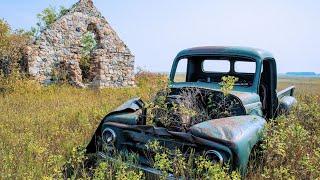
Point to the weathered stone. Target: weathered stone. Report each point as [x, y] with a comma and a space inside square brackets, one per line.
[112, 63]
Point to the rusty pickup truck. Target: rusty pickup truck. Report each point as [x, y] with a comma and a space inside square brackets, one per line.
[228, 139]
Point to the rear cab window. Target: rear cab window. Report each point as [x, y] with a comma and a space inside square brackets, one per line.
[212, 69]
[216, 66]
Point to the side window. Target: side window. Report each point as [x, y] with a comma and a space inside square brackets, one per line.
[181, 72]
[245, 67]
[216, 66]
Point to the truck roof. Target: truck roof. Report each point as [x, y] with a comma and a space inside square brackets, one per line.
[257, 54]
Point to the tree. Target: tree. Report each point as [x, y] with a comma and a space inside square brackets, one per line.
[47, 17]
[12, 44]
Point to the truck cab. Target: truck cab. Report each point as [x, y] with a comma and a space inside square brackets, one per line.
[255, 69]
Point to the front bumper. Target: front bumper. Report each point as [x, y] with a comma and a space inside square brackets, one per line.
[150, 173]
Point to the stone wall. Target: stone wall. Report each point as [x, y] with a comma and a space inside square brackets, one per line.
[112, 64]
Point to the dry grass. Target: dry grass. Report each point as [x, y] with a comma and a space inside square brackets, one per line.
[303, 85]
[41, 126]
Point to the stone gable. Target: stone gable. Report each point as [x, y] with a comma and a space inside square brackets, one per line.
[59, 48]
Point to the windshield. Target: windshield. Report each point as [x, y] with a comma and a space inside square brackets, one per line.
[212, 69]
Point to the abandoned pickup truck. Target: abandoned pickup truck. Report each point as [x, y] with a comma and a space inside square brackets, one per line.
[226, 138]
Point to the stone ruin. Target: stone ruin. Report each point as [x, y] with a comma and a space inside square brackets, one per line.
[58, 48]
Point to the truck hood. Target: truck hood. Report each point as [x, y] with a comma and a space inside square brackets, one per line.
[249, 100]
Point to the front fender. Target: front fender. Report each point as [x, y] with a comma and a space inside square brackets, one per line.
[242, 132]
[131, 113]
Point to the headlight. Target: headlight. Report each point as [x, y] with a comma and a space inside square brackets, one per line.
[109, 136]
[215, 156]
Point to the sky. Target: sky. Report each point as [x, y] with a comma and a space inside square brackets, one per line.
[156, 31]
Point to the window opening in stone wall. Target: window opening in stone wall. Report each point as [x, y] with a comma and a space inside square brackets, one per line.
[93, 28]
[89, 43]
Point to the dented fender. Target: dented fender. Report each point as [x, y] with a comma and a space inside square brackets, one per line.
[243, 132]
[128, 113]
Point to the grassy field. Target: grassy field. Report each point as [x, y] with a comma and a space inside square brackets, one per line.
[303, 85]
[40, 127]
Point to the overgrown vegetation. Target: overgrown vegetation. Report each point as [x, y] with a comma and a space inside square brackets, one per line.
[292, 144]
[88, 43]
[47, 17]
[12, 46]
[13, 43]
[187, 167]
[118, 168]
[59, 74]
[41, 126]
[179, 111]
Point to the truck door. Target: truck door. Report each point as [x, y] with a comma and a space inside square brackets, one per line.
[268, 86]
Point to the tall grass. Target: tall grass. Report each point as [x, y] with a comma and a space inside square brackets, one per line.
[40, 128]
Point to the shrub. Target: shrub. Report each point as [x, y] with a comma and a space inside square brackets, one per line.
[12, 45]
[88, 44]
[194, 166]
[291, 145]
[118, 168]
[191, 106]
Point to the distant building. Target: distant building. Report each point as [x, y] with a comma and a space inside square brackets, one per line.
[58, 49]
